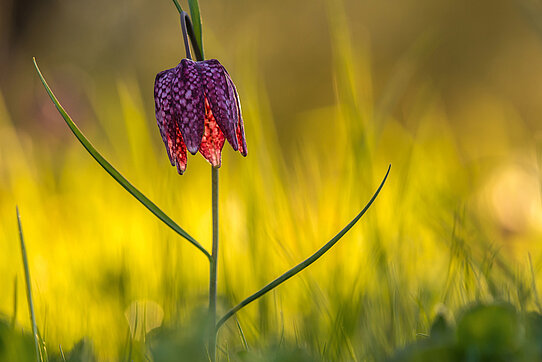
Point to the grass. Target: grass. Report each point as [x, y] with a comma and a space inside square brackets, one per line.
[105, 274]
[28, 289]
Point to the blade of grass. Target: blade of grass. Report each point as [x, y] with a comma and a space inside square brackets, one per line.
[245, 344]
[43, 348]
[61, 353]
[116, 174]
[533, 285]
[14, 317]
[304, 264]
[196, 24]
[132, 337]
[28, 288]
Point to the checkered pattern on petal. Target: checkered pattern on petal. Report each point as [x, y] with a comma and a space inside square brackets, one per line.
[213, 138]
[236, 110]
[187, 91]
[220, 97]
[198, 108]
[164, 109]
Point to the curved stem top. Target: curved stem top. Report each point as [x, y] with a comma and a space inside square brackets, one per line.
[192, 27]
[188, 32]
[178, 6]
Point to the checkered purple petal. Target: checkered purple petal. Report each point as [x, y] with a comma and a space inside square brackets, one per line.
[164, 109]
[220, 97]
[236, 109]
[188, 97]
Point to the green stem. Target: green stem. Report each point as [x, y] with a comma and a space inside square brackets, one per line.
[304, 264]
[195, 25]
[213, 268]
[188, 32]
[178, 6]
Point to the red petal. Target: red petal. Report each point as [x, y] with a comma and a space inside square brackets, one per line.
[220, 97]
[180, 153]
[176, 147]
[213, 138]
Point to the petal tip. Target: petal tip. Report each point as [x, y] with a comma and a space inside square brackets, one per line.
[193, 149]
[234, 144]
[181, 168]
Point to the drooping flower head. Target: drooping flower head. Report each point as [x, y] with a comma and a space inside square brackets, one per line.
[197, 108]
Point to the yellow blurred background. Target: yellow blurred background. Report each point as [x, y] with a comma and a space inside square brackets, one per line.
[332, 92]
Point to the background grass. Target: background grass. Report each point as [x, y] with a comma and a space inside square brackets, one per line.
[325, 113]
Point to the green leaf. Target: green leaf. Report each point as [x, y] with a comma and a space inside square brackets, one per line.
[304, 264]
[196, 23]
[490, 330]
[115, 174]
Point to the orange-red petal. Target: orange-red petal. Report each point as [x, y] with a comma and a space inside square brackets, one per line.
[213, 138]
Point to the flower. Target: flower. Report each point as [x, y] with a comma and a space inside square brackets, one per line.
[197, 108]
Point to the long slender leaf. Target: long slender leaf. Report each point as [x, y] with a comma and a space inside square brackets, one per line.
[196, 24]
[242, 334]
[15, 302]
[533, 285]
[304, 264]
[115, 174]
[61, 353]
[28, 288]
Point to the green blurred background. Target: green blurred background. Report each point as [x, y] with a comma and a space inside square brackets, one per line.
[332, 92]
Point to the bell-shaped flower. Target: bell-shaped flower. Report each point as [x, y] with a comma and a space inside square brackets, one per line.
[197, 108]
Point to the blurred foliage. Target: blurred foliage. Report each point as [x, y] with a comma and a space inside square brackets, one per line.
[495, 332]
[15, 346]
[332, 92]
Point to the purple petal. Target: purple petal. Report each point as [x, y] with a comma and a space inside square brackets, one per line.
[236, 109]
[162, 108]
[187, 92]
[169, 131]
[220, 96]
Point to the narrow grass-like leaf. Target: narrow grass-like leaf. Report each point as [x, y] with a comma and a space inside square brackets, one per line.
[15, 302]
[28, 288]
[533, 285]
[196, 24]
[132, 336]
[242, 334]
[116, 174]
[304, 264]
[43, 347]
[61, 353]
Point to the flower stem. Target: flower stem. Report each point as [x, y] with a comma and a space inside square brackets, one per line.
[188, 33]
[213, 268]
[178, 6]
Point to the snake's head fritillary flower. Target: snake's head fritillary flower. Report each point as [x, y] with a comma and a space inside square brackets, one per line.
[197, 108]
